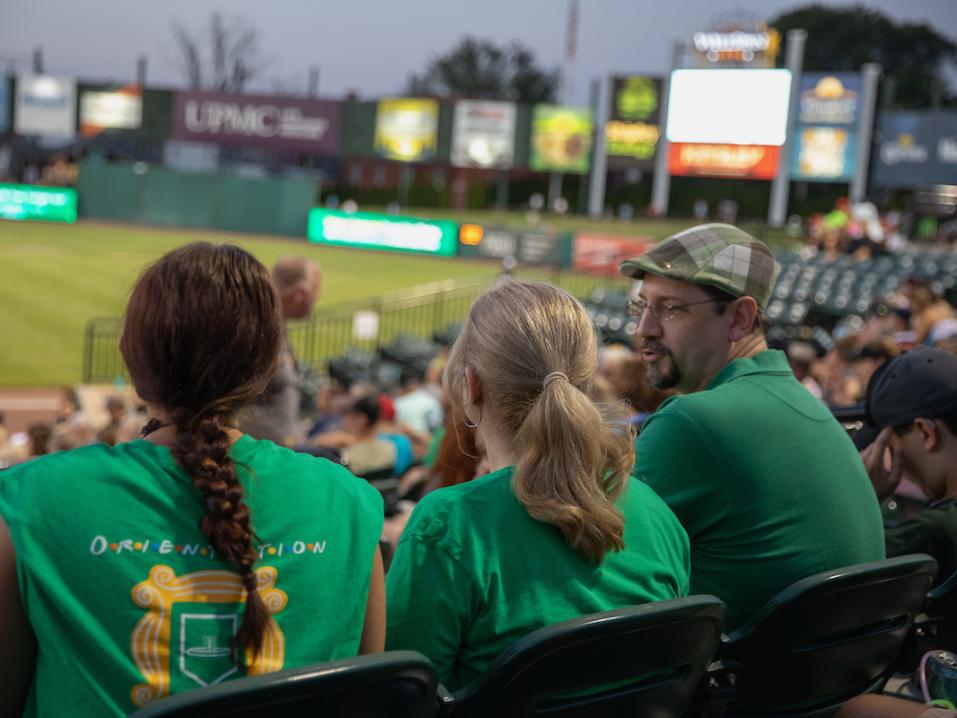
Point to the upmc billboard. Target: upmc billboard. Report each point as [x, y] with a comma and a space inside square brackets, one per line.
[258, 121]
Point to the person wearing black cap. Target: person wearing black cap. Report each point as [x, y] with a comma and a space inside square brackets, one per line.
[913, 401]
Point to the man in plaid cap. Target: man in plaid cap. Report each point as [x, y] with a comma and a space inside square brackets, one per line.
[765, 481]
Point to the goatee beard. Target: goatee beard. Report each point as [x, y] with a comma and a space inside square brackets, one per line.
[659, 378]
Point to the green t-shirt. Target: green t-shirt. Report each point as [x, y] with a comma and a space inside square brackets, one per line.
[764, 479]
[128, 601]
[473, 573]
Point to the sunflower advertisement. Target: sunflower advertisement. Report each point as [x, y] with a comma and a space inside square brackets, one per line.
[632, 131]
[561, 139]
[406, 129]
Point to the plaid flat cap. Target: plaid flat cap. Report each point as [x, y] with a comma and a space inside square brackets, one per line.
[718, 255]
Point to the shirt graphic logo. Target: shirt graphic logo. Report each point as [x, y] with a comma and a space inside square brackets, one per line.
[184, 637]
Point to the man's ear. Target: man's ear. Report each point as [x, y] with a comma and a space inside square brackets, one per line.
[744, 312]
[473, 385]
[930, 432]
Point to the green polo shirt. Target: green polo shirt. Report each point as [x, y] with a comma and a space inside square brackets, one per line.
[765, 481]
[473, 573]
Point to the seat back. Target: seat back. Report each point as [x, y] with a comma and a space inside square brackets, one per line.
[387, 483]
[828, 637]
[400, 684]
[644, 660]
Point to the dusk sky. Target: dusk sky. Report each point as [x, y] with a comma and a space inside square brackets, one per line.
[372, 46]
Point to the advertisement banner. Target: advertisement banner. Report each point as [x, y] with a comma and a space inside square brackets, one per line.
[734, 161]
[4, 104]
[365, 230]
[258, 121]
[483, 134]
[823, 154]
[406, 129]
[829, 99]
[600, 254]
[527, 246]
[120, 109]
[50, 204]
[45, 106]
[826, 129]
[561, 139]
[633, 128]
[916, 148]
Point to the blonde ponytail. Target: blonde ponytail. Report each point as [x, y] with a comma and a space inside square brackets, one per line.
[536, 352]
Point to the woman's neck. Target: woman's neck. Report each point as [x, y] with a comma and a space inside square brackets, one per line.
[165, 433]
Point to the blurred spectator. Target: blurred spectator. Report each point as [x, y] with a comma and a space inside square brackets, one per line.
[557, 529]
[801, 356]
[415, 405]
[275, 414]
[732, 456]
[367, 452]
[913, 400]
[39, 434]
[116, 410]
[927, 312]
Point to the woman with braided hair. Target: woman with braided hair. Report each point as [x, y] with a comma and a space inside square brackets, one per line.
[558, 529]
[194, 555]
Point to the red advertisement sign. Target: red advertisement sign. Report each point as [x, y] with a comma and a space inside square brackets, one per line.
[602, 253]
[736, 161]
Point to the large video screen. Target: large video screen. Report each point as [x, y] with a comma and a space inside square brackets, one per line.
[735, 107]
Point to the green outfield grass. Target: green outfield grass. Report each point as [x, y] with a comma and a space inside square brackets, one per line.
[54, 278]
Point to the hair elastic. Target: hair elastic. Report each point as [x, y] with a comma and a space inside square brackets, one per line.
[553, 376]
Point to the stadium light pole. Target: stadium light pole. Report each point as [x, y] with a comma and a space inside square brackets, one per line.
[661, 184]
[865, 128]
[599, 165]
[781, 185]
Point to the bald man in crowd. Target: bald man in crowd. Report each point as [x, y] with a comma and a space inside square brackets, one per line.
[275, 415]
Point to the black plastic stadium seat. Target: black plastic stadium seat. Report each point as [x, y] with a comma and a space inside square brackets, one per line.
[399, 684]
[826, 638]
[640, 661]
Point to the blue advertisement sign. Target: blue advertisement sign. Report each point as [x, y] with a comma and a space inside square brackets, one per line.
[823, 154]
[916, 148]
[4, 104]
[825, 143]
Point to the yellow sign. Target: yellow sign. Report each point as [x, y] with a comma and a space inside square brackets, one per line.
[407, 129]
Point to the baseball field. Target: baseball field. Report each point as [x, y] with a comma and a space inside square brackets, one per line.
[54, 278]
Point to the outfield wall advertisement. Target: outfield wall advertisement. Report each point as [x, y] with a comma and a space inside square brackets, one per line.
[366, 230]
[45, 106]
[826, 130]
[483, 134]
[561, 139]
[633, 128]
[916, 148]
[406, 129]
[120, 109]
[258, 121]
[51, 204]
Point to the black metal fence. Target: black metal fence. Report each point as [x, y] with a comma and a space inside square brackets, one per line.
[365, 325]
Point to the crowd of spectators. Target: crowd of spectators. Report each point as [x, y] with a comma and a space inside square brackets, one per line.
[512, 490]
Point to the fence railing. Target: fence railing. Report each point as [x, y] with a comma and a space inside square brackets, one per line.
[364, 324]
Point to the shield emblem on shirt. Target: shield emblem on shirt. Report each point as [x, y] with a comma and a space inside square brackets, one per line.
[204, 645]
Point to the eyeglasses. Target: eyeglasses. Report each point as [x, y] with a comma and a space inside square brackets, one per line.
[662, 312]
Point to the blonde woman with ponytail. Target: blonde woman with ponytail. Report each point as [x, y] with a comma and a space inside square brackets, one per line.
[559, 529]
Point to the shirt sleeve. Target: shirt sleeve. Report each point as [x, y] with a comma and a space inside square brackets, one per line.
[429, 599]
[675, 459]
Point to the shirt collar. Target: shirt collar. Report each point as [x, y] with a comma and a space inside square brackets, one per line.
[770, 361]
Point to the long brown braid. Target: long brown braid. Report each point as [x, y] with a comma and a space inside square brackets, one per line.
[201, 339]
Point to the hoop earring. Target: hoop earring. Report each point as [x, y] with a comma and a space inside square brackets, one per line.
[466, 422]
